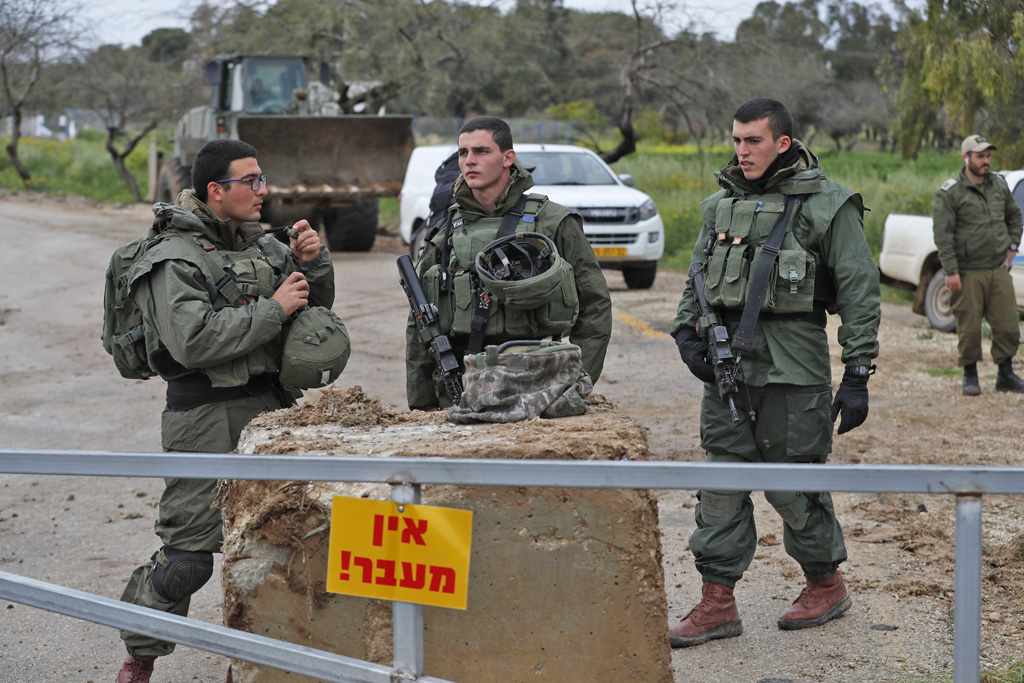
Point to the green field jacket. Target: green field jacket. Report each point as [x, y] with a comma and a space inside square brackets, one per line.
[189, 327]
[974, 225]
[825, 265]
[593, 326]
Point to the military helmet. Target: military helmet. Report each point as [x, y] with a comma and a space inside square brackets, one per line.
[522, 270]
[316, 349]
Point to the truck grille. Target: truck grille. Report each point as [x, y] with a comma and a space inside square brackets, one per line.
[616, 239]
[625, 215]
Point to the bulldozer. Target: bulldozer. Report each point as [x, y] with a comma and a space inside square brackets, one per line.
[321, 165]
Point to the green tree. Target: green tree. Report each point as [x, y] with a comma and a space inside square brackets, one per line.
[964, 57]
[167, 45]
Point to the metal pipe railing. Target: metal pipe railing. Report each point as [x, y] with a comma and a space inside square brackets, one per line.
[406, 475]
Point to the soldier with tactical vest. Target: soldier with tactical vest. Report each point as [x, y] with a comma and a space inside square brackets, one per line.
[776, 206]
[977, 227]
[506, 265]
[222, 303]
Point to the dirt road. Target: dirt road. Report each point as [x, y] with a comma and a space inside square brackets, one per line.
[59, 390]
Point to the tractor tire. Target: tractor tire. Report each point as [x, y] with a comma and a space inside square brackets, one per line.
[353, 227]
[936, 304]
[640, 276]
[173, 178]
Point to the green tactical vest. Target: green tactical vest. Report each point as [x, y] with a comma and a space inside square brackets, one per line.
[743, 226]
[458, 301]
[233, 278]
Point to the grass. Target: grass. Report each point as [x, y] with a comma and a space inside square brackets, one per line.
[1011, 671]
[80, 167]
[673, 175]
[677, 182]
[388, 216]
[945, 372]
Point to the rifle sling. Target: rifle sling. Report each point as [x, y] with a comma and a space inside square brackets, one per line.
[743, 337]
[483, 300]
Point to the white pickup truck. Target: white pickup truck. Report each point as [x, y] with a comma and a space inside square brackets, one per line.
[909, 260]
[620, 222]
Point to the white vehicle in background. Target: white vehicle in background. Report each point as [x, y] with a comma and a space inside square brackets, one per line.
[620, 222]
[909, 260]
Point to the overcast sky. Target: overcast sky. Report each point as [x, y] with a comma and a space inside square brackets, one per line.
[125, 22]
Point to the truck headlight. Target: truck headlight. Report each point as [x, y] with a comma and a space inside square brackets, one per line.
[648, 210]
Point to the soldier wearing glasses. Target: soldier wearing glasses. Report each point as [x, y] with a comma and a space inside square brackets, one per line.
[219, 347]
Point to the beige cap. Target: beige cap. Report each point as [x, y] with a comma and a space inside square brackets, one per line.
[975, 143]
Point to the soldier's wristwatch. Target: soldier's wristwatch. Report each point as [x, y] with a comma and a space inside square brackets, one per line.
[859, 370]
[1013, 246]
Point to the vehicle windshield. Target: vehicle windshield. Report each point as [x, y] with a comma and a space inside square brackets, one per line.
[565, 168]
[269, 84]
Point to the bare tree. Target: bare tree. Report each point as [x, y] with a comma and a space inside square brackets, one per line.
[130, 93]
[33, 33]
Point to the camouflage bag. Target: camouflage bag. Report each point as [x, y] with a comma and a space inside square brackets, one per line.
[521, 380]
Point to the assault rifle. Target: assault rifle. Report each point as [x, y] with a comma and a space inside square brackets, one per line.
[719, 351]
[429, 328]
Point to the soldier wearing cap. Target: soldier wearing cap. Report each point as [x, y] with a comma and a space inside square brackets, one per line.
[977, 226]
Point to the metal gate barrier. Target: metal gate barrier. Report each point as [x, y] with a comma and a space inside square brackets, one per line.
[406, 475]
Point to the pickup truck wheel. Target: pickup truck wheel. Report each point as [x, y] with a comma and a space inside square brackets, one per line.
[352, 228]
[173, 178]
[936, 304]
[640, 276]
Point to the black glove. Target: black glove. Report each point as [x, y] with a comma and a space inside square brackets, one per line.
[694, 350]
[852, 398]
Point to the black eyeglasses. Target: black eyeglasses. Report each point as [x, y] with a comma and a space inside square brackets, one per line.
[254, 183]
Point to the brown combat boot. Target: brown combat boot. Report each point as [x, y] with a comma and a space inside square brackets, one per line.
[135, 670]
[715, 616]
[819, 602]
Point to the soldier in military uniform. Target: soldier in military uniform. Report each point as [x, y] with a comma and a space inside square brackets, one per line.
[220, 354]
[491, 197]
[785, 406]
[977, 226]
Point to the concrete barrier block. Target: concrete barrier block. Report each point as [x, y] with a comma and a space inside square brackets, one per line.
[565, 584]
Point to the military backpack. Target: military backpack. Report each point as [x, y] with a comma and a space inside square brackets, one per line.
[123, 330]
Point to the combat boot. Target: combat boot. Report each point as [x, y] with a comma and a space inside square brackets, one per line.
[1006, 380]
[819, 602]
[135, 670]
[971, 386]
[715, 616]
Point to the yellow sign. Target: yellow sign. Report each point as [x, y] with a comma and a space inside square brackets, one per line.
[610, 252]
[396, 551]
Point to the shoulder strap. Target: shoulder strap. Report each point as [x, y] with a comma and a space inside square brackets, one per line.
[222, 279]
[511, 219]
[483, 304]
[743, 337]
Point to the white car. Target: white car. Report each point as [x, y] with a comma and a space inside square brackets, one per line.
[910, 260]
[620, 222]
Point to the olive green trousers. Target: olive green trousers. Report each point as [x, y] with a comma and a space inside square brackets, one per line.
[985, 294]
[791, 424]
[187, 519]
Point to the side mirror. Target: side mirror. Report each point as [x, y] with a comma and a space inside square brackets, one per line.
[211, 73]
[627, 179]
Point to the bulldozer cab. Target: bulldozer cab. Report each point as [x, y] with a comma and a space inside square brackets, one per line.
[259, 85]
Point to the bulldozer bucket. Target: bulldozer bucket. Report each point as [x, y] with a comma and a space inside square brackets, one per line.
[326, 160]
